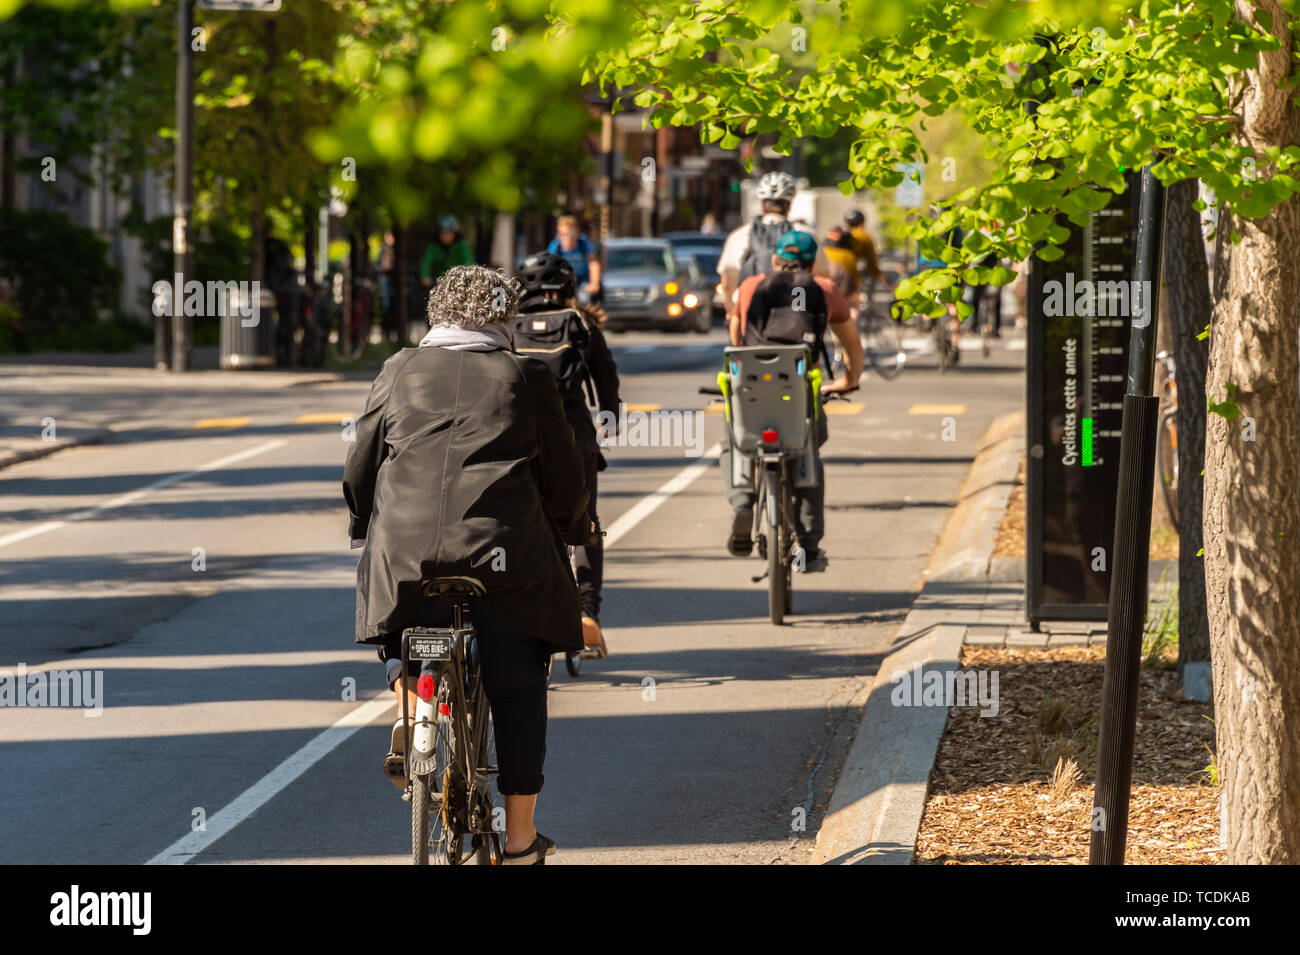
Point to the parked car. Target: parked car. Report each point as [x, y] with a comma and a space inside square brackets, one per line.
[706, 249]
[648, 285]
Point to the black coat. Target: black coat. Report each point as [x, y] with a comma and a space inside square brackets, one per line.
[464, 464]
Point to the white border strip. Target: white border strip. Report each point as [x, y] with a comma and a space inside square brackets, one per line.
[651, 502]
[262, 791]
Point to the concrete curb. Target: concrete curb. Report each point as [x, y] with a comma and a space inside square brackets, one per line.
[875, 811]
[44, 449]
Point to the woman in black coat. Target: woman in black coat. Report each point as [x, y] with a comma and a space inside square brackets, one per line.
[464, 465]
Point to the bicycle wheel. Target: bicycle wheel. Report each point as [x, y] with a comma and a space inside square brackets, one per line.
[883, 345]
[431, 841]
[776, 579]
[1167, 457]
[482, 844]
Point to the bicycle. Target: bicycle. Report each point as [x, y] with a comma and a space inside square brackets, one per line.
[775, 440]
[1167, 437]
[451, 748]
[882, 337]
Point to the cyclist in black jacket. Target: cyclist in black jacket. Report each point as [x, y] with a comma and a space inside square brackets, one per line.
[552, 326]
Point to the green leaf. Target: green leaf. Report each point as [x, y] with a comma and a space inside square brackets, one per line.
[1226, 408]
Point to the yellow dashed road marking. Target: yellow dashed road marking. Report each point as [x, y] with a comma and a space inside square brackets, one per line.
[221, 422]
[937, 409]
[325, 417]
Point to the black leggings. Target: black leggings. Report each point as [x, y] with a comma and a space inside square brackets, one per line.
[514, 675]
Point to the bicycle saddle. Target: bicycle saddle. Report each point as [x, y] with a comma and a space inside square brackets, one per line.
[462, 586]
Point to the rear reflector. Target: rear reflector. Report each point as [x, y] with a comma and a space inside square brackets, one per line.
[424, 687]
[770, 436]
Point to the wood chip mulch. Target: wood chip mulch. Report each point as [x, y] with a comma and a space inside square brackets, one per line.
[1010, 538]
[992, 797]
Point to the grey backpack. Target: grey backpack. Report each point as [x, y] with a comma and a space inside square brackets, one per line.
[757, 259]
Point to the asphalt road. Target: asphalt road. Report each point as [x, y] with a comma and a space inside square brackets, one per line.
[205, 572]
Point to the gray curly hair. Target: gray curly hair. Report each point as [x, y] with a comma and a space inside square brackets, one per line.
[473, 296]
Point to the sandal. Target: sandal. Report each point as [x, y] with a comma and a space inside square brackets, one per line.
[395, 761]
[593, 649]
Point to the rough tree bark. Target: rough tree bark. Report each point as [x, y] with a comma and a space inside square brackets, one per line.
[1252, 493]
[1189, 312]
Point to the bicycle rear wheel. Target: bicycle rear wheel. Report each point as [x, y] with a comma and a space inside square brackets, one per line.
[777, 583]
[433, 842]
[883, 345]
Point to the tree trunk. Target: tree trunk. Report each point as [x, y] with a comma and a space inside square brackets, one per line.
[1189, 313]
[1252, 495]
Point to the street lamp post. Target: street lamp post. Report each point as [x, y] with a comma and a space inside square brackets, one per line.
[183, 187]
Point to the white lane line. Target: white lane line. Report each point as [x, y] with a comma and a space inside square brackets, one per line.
[262, 791]
[132, 496]
[266, 788]
[650, 503]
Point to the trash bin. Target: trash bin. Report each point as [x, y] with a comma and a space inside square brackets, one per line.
[249, 345]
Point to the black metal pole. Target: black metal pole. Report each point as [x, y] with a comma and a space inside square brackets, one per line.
[183, 187]
[1129, 555]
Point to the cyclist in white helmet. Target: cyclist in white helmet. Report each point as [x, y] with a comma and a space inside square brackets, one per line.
[748, 250]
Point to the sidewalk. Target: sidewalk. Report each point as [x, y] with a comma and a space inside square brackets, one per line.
[969, 597]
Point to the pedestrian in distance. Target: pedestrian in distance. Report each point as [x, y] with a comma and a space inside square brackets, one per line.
[582, 254]
[447, 250]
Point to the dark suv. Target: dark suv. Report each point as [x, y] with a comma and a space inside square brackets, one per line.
[648, 285]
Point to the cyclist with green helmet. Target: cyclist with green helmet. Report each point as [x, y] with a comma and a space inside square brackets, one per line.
[792, 306]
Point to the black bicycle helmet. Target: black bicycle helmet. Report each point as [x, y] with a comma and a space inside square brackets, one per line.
[853, 218]
[546, 271]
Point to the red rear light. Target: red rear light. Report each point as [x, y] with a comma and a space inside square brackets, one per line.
[444, 709]
[770, 436]
[424, 687]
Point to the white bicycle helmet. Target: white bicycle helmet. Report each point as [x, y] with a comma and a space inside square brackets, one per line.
[776, 186]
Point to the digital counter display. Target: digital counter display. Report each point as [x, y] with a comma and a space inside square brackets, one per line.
[1080, 308]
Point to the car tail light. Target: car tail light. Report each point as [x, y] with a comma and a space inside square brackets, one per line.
[670, 288]
[424, 687]
[770, 436]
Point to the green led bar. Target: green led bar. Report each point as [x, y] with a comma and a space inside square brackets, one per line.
[1087, 442]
